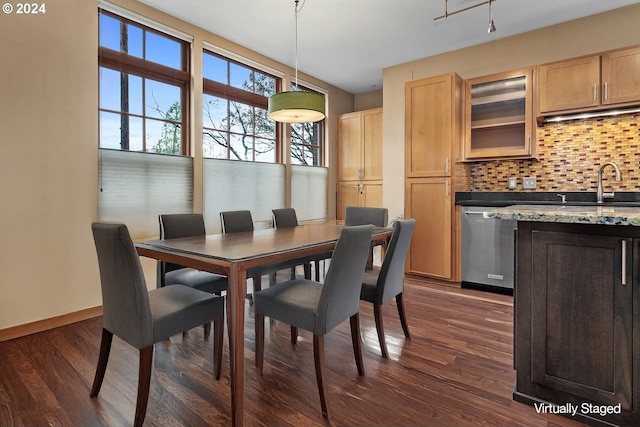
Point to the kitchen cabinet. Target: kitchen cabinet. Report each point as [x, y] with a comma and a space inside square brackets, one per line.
[433, 131]
[359, 160]
[575, 317]
[352, 193]
[429, 202]
[594, 82]
[569, 85]
[431, 125]
[499, 116]
[621, 76]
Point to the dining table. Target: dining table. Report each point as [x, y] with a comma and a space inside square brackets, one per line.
[244, 255]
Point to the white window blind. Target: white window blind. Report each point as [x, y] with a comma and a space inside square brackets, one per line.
[231, 185]
[309, 192]
[136, 187]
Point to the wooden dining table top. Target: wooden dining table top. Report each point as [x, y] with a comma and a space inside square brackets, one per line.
[254, 248]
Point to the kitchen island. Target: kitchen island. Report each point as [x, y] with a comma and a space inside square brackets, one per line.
[576, 315]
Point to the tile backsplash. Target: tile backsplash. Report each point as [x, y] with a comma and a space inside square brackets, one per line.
[569, 156]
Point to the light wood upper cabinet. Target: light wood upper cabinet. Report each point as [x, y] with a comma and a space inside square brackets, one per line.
[359, 160]
[360, 141]
[621, 76]
[350, 142]
[431, 133]
[589, 83]
[372, 144]
[499, 118]
[568, 85]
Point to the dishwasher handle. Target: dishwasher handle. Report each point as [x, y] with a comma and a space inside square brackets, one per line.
[474, 212]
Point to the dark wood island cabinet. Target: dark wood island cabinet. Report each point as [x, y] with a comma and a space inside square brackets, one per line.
[577, 311]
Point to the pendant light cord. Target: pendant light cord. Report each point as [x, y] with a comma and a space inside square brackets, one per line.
[296, 41]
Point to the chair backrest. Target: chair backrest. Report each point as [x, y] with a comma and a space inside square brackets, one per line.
[173, 226]
[285, 217]
[340, 297]
[181, 225]
[236, 221]
[391, 276]
[360, 215]
[125, 299]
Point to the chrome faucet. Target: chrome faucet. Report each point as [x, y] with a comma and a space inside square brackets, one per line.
[600, 195]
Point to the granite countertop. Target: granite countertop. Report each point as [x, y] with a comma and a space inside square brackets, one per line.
[508, 198]
[607, 215]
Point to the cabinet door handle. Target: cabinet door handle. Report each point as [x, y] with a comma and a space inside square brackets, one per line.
[595, 92]
[446, 165]
[446, 188]
[624, 263]
[606, 91]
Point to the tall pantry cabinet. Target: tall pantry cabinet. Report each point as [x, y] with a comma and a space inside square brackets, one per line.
[359, 160]
[433, 131]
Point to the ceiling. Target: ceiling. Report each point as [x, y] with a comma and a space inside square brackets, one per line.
[348, 43]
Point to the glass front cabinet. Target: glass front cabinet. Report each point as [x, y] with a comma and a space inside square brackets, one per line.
[499, 116]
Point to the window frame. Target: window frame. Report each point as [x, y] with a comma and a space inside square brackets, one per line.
[234, 94]
[131, 65]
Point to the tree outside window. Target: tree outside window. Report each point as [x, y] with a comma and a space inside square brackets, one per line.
[235, 121]
[306, 140]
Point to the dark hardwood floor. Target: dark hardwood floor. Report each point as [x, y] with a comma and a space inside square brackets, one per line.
[456, 371]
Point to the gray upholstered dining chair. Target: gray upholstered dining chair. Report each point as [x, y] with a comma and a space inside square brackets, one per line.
[187, 225]
[140, 317]
[319, 308]
[379, 288]
[286, 218]
[359, 215]
[236, 221]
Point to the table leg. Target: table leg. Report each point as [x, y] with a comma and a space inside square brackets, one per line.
[235, 323]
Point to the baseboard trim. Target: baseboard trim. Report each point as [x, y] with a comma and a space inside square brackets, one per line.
[51, 323]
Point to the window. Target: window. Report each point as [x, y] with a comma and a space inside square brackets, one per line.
[306, 140]
[144, 82]
[143, 87]
[234, 111]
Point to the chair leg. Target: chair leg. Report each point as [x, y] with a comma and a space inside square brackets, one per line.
[207, 330]
[259, 325]
[355, 339]
[144, 380]
[377, 314]
[317, 265]
[218, 336]
[105, 349]
[294, 335]
[318, 358]
[403, 317]
[272, 278]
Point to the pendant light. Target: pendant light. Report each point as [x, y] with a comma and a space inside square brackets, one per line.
[492, 26]
[296, 106]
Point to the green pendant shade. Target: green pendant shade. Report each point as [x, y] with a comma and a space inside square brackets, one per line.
[296, 107]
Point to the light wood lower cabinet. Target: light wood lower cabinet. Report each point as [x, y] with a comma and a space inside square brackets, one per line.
[354, 194]
[430, 202]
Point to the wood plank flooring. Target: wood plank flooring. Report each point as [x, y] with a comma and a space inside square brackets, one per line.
[456, 371]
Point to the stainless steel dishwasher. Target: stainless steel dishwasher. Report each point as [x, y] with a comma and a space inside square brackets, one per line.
[487, 251]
